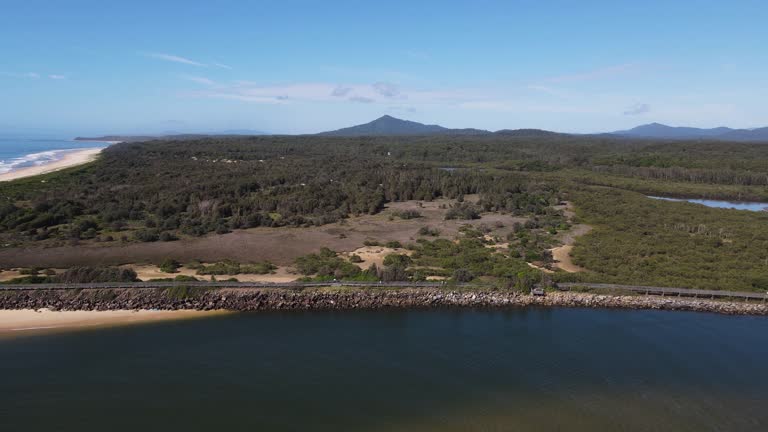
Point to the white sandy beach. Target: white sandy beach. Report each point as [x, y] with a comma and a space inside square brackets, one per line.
[69, 159]
[28, 321]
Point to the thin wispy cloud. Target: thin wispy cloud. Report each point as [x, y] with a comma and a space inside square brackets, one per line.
[637, 109]
[381, 92]
[300, 92]
[595, 74]
[200, 80]
[361, 99]
[174, 58]
[29, 75]
[416, 54]
[221, 65]
[56, 77]
[393, 97]
[546, 89]
[403, 108]
[341, 91]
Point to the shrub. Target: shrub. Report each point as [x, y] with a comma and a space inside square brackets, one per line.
[429, 231]
[397, 260]
[228, 267]
[328, 264]
[33, 271]
[169, 266]
[463, 211]
[407, 214]
[355, 259]
[182, 292]
[96, 274]
[167, 236]
[147, 235]
[462, 275]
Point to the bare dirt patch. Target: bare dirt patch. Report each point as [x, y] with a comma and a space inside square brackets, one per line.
[147, 272]
[540, 268]
[375, 255]
[7, 275]
[278, 245]
[562, 254]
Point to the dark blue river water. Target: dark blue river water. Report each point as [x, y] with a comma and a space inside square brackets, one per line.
[440, 370]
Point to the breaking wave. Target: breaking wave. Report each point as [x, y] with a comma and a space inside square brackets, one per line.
[32, 159]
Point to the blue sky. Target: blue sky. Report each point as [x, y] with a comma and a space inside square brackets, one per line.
[306, 66]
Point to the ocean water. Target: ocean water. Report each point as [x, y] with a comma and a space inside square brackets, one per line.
[20, 152]
[734, 205]
[419, 370]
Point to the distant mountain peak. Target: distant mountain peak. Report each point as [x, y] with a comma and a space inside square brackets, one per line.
[388, 125]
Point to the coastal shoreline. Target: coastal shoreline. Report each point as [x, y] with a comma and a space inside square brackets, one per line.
[69, 159]
[19, 322]
[258, 299]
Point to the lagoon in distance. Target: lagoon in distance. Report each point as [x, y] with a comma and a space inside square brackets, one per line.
[733, 205]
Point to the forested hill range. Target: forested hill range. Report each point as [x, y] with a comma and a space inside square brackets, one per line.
[391, 126]
[658, 130]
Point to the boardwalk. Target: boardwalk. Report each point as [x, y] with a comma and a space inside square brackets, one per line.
[648, 290]
[669, 291]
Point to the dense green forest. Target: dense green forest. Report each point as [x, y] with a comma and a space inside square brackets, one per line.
[660, 243]
[169, 190]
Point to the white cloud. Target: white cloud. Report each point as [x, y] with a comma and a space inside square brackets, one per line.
[175, 59]
[56, 77]
[386, 89]
[381, 92]
[33, 75]
[222, 65]
[637, 109]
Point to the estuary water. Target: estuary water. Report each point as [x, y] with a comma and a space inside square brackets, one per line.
[735, 205]
[433, 370]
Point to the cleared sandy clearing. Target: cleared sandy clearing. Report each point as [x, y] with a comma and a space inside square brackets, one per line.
[562, 254]
[147, 272]
[9, 274]
[375, 255]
